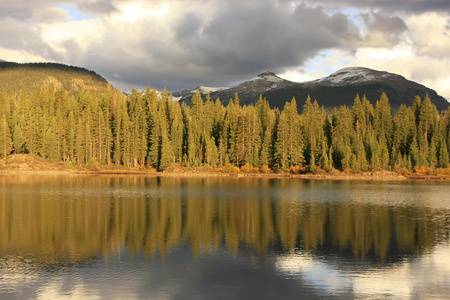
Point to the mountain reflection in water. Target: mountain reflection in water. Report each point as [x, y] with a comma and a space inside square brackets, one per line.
[319, 230]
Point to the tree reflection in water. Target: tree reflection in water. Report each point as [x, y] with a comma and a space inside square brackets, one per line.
[78, 218]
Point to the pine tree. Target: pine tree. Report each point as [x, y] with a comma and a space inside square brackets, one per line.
[313, 121]
[289, 144]
[405, 129]
[343, 136]
[234, 132]
[443, 155]
[414, 153]
[428, 118]
[4, 104]
[383, 121]
[155, 141]
[71, 136]
[432, 153]
[49, 149]
[80, 154]
[167, 157]
[416, 107]
[5, 137]
[211, 153]
[18, 138]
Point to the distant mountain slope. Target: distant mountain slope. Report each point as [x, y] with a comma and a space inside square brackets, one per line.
[14, 76]
[340, 88]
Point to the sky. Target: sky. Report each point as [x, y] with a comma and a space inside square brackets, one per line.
[183, 44]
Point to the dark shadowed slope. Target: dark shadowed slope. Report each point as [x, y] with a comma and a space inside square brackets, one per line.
[340, 88]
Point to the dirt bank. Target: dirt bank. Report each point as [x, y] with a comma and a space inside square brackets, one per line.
[22, 164]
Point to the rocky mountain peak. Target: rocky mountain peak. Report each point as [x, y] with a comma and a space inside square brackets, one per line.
[354, 75]
[269, 77]
[339, 88]
[266, 74]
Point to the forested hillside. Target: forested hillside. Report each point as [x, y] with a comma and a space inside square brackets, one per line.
[151, 130]
[14, 76]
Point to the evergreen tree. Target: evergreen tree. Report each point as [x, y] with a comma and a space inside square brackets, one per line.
[152, 128]
[289, 144]
[443, 155]
[383, 121]
[428, 118]
[49, 150]
[71, 136]
[5, 137]
[166, 151]
[313, 121]
[177, 132]
[343, 136]
[18, 137]
[211, 153]
[405, 129]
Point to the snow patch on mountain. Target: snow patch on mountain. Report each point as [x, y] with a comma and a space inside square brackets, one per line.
[269, 76]
[209, 89]
[353, 75]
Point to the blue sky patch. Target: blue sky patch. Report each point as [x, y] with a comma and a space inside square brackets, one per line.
[75, 14]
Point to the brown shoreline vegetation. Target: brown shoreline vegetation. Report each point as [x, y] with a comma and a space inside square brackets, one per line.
[23, 164]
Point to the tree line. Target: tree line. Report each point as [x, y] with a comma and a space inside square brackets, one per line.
[32, 75]
[150, 129]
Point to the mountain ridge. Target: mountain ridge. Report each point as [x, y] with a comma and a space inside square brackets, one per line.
[337, 89]
[14, 76]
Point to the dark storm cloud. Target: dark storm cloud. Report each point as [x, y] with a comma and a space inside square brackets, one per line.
[188, 26]
[239, 41]
[233, 42]
[208, 42]
[391, 27]
[378, 22]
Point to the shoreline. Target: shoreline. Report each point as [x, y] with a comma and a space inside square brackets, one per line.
[23, 165]
[366, 176]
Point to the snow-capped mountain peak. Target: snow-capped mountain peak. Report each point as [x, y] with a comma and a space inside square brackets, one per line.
[269, 76]
[354, 75]
[209, 89]
[340, 88]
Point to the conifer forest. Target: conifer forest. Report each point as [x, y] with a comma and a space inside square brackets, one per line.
[151, 130]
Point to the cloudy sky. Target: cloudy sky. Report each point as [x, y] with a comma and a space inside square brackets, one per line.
[181, 44]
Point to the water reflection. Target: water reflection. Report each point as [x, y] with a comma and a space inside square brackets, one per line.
[317, 231]
[79, 217]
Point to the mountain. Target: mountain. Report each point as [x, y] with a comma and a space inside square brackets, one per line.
[14, 76]
[340, 88]
[247, 91]
[204, 90]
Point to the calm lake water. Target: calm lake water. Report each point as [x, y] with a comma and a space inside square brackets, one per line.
[121, 237]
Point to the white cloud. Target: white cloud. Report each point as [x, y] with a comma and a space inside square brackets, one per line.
[19, 56]
[80, 31]
[135, 11]
[50, 15]
[430, 34]
[423, 56]
[406, 279]
[185, 44]
[298, 76]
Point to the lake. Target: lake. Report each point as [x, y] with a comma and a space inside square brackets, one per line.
[136, 237]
